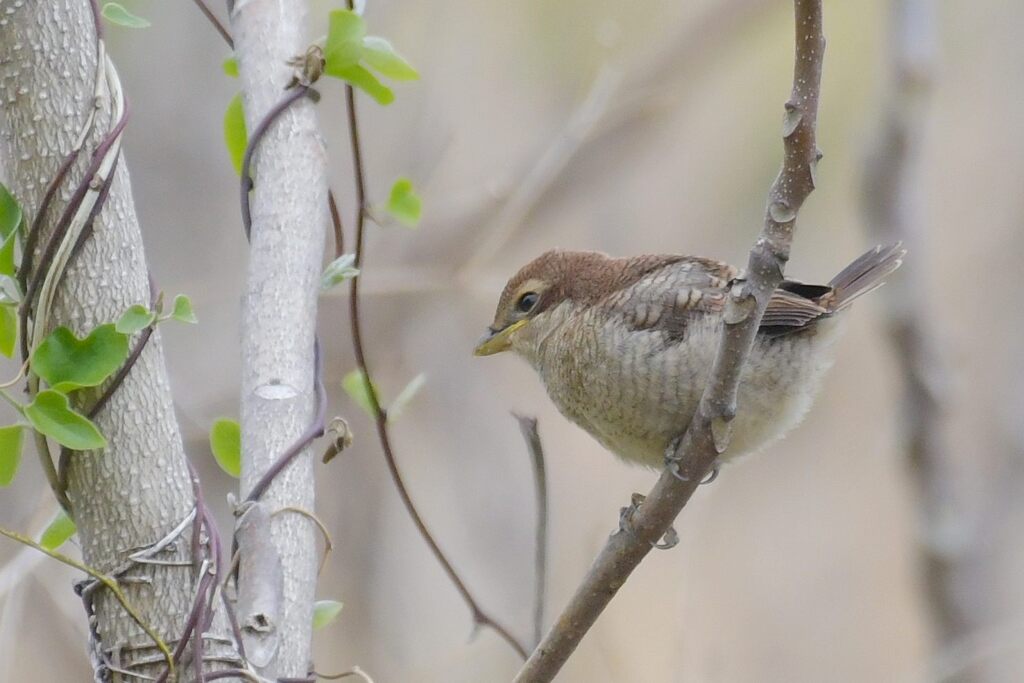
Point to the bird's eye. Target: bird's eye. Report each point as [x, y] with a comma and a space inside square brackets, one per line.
[527, 302]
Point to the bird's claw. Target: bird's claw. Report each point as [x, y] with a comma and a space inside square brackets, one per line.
[673, 466]
[669, 539]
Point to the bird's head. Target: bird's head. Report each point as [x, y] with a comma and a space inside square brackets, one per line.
[576, 278]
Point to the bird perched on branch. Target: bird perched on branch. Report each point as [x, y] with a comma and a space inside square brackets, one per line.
[624, 346]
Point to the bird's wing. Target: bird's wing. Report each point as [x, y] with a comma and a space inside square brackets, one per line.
[669, 298]
[792, 307]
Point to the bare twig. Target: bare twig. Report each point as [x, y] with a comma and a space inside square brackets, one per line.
[528, 427]
[217, 24]
[893, 213]
[480, 617]
[707, 436]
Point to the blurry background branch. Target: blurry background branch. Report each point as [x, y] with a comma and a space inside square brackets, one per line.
[528, 427]
[893, 212]
[707, 435]
[612, 101]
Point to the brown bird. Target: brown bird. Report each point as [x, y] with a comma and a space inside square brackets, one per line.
[624, 345]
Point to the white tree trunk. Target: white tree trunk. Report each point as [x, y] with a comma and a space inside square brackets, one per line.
[289, 210]
[134, 492]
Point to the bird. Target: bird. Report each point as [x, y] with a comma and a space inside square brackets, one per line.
[624, 345]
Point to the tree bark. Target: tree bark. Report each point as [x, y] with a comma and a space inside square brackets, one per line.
[289, 220]
[137, 490]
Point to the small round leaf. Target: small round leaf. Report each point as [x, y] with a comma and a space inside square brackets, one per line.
[381, 56]
[235, 136]
[343, 47]
[116, 14]
[226, 444]
[68, 363]
[324, 612]
[8, 329]
[136, 318]
[356, 386]
[51, 414]
[10, 212]
[339, 270]
[182, 310]
[404, 203]
[10, 453]
[361, 78]
[57, 531]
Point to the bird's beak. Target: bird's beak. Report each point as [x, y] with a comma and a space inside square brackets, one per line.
[496, 341]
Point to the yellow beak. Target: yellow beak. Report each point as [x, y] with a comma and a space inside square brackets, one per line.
[495, 342]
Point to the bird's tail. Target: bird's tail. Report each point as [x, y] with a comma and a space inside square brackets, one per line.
[867, 273]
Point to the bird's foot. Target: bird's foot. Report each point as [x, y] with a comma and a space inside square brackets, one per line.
[672, 465]
[669, 539]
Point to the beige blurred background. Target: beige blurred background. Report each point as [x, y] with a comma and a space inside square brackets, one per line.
[624, 127]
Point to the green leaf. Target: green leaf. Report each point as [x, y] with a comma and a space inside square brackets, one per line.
[136, 318]
[51, 414]
[68, 363]
[396, 407]
[10, 453]
[343, 47]
[381, 56]
[182, 311]
[324, 612]
[58, 531]
[230, 67]
[339, 270]
[10, 212]
[404, 203]
[10, 218]
[235, 136]
[8, 329]
[226, 444]
[7, 256]
[354, 384]
[116, 14]
[365, 81]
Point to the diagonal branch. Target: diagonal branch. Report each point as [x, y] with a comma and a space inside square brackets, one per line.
[707, 436]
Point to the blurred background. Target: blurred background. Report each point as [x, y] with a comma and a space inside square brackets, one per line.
[627, 128]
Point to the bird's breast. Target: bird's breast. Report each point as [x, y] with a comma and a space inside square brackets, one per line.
[633, 390]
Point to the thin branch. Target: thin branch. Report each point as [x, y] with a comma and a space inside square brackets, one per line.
[707, 436]
[528, 427]
[480, 617]
[221, 29]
